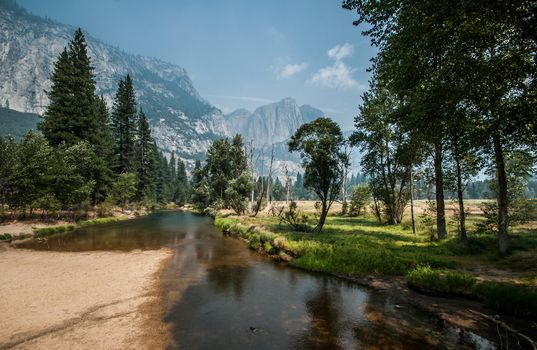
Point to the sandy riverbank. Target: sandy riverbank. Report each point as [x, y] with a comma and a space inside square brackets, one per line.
[90, 300]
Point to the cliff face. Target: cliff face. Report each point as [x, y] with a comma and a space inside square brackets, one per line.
[180, 119]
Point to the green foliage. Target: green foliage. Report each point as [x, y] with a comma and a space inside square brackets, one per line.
[320, 146]
[124, 125]
[509, 298]
[145, 160]
[388, 151]
[47, 231]
[294, 217]
[224, 182]
[124, 188]
[440, 281]
[360, 198]
[5, 237]
[463, 78]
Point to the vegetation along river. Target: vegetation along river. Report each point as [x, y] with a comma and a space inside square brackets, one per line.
[218, 294]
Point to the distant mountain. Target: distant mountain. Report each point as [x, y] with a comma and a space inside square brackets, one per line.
[272, 123]
[29, 46]
[16, 124]
[181, 120]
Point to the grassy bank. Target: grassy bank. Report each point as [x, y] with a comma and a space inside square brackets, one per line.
[357, 247]
[47, 231]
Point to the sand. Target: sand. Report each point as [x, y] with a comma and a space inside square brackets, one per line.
[90, 300]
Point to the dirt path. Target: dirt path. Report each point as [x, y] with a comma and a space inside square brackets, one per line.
[93, 300]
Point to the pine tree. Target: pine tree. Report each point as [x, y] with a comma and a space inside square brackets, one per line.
[84, 107]
[56, 120]
[123, 125]
[71, 115]
[182, 184]
[145, 160]
[103, 146]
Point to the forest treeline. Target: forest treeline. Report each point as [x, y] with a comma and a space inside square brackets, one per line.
[85, 156]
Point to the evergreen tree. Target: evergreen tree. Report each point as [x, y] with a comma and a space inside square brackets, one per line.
[71, 115]
[145, 161]
[57, 119]
[183, 190]
[123, 125]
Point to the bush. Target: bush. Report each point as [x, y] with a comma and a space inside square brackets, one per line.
[6, 237]
[294, 217]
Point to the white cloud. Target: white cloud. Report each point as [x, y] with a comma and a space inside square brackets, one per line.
[338, 75]
[290, 69]
[339, 52]
[283, 68]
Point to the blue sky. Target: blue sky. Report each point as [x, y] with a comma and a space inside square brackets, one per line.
[239, 53]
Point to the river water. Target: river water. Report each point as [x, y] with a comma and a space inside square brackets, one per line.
[220, 295]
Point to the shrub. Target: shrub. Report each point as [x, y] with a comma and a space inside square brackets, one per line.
[6, 237]
[294, 217]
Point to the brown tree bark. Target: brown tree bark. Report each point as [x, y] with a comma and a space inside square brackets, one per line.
[439, 184]
[501, 178]
[462, 214]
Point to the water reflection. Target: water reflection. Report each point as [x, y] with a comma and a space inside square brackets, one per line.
[218, 294]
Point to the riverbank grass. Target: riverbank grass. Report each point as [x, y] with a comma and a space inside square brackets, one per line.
[357, 247]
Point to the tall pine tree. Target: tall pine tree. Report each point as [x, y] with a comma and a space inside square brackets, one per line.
[123, 125]
[145, 160]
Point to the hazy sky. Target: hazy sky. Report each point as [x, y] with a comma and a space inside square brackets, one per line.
[239, 53]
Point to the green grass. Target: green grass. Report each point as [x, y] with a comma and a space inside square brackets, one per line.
[427, 279]
[47, 231]
[99, 221]
[509, 298]
[518, 300]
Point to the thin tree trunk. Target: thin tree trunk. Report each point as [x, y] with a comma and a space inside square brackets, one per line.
[501, 178]
[462, 214]
[439, 183]
[412, 201]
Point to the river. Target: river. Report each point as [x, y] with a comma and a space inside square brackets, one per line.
[219, 295]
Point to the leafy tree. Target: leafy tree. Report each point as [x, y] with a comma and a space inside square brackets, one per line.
[360, 198]
[389, 152]
[476, 56]
[32, 174]
[320, 145]
[123, 125]
[124, 188]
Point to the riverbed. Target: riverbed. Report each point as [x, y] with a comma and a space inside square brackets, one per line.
[215, 293]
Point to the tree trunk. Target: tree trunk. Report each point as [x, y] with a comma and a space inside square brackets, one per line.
[412, 202]
[439, 183]
[322, 218]
[501, 178]
[462, 214]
